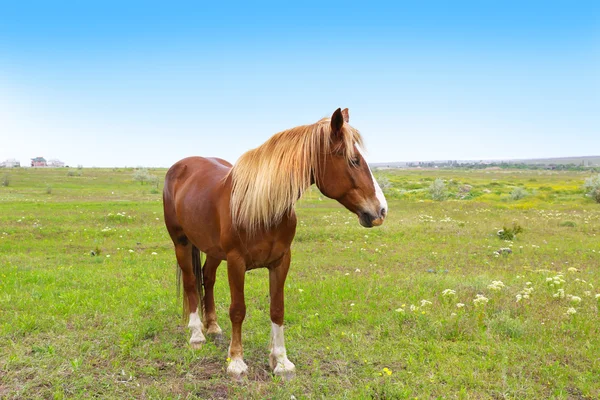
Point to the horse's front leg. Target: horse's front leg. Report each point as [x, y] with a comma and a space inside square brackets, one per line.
[278, 357]
[236, 272]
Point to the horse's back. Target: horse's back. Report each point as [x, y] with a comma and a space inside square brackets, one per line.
[192, 197]
[205, 171]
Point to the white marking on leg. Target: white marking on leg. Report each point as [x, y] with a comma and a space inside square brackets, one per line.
[237, 367]
[278, 358]
[378, 191]
[195, 326]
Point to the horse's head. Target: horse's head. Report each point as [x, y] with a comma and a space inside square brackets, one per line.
[345, 176]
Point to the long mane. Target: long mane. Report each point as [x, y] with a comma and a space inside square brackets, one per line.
[268, 180]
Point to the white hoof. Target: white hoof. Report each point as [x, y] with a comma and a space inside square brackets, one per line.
[197, 345]
[285, 369]
[237, 368]
[197, 339]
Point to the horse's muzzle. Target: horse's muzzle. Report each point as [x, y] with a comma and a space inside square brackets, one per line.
[369, 220]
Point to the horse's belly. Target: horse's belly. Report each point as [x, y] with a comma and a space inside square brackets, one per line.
[265, 255]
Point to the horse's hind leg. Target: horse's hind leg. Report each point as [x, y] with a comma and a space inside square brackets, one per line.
[183, 251]
[210, 315]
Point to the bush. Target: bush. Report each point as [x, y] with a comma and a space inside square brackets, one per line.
[592, 188]
[509, 233]
[438, 190]
[518, 193]
[464, 192]
[142, 175]
[6, 180]
[384, 184]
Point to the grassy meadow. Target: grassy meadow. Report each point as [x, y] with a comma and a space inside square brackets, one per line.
[426, 306]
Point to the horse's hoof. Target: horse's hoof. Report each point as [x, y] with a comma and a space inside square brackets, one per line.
[286, 370]
[237, 369]
[197, 345]
[214, 331]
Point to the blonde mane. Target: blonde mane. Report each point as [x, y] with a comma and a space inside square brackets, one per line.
[267, 181]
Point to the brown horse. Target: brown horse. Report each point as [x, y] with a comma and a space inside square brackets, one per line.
[244, 214]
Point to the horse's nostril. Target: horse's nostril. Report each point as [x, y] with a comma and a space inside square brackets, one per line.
[382, 213]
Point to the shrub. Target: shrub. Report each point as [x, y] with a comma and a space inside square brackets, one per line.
[6, 180]
[504, 325]
[384, 184]
[509, 233]
[48, 189]
[438, 190]
[464, 192]
[592, 188]
[142, 175]
[518, 193]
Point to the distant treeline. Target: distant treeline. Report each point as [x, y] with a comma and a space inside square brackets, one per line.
[506, 165]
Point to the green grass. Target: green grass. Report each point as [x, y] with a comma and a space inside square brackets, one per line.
[73, 325]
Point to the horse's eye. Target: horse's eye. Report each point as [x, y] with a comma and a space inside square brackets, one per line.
[355, 161]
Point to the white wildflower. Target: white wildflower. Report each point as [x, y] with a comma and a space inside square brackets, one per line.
[480, 299]
[496, 285]
[425, 303]
[574, 299]
[571, 311]
[560, 294]
[448, 292]
[413, 307]
[558, 280]
[519, 297]
[400, 310]
[460, 305]
[573, 269]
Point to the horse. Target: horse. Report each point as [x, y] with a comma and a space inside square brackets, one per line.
[244, 214]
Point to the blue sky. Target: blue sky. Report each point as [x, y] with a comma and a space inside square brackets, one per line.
[146, 84]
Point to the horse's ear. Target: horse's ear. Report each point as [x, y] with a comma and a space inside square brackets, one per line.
[337, 121]
[346, 115]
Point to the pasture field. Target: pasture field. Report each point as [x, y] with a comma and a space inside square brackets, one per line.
[370, 313]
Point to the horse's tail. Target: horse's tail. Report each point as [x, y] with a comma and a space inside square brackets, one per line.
[197, 266]
[197, 269]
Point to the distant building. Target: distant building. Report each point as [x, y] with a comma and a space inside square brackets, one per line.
[10, 163]
[38, 162]
[55, 163]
